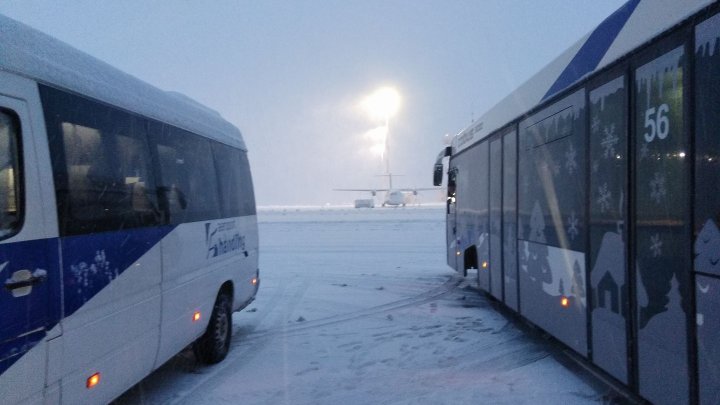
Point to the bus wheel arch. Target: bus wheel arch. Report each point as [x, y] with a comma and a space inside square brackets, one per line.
[213, 346]
[470, 259]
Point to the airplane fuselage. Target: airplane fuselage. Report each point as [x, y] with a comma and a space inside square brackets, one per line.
[394, 198]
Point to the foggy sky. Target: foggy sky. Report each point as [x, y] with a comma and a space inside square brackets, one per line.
[291, 74]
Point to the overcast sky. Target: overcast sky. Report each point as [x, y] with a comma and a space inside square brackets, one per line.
[291, 74]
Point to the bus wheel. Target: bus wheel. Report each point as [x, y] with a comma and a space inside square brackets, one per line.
[214, 344]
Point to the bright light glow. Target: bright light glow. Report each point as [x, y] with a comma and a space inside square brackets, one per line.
[457, 253]
[377, 135]
[93, 380]
[196, 316]
[254, 281]
[681, 154]
[564, 301]
[382, 104]
[378, 149]
[484, 265]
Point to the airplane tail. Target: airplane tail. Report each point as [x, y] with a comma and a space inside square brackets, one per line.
[390, 177]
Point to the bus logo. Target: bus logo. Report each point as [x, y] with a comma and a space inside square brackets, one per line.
[223, 238]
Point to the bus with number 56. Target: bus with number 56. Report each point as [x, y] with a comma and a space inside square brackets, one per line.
[588, 200]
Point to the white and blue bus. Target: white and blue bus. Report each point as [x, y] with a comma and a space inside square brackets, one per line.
[128, 227]
[588, 200]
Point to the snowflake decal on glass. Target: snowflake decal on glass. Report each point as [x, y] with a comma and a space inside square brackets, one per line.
[658, 190]
[572, 230]
[570, 162]
[609, 141]
[604, 198]
[656, 245]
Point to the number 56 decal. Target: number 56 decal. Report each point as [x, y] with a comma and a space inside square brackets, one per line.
[658, 122]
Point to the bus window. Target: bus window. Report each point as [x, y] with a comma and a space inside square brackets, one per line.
[101, 165]
[662, 227]
[109, 179]
[10, 207]
[227, 164]
[189, 183]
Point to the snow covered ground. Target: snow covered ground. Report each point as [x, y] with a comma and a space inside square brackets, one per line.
[359, 307]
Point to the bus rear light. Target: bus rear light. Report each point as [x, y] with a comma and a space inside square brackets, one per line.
[92, 381]
[254, 281]
[564, 302]
[196, 316]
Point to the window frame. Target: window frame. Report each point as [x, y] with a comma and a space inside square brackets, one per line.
[19, 175]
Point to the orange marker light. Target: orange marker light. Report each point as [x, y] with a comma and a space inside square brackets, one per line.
[93, 380]
[485, 264]
[564, 301]
[196, 316]
[254, 281]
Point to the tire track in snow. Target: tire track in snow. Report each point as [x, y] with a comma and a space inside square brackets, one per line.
[448, 286]
[262, 338]
[278, 318]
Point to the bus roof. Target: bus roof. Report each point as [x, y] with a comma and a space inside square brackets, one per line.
[633, 24]
[33, 54]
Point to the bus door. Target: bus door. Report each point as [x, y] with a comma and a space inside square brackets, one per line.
[28, 257]
[662, 228]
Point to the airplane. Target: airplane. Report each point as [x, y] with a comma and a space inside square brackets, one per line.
[393, 196]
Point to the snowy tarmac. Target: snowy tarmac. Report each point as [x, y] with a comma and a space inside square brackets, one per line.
[357, 306]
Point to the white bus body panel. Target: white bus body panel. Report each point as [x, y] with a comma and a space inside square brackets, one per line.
[25, 380]
[116, 333]
[648, 19]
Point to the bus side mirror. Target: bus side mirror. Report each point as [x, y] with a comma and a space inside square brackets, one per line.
[438, 172]
[438, 175]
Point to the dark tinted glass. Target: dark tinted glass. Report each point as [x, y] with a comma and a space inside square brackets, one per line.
[662, 233]
[473, 187]
[509, 218]
[189, 182]
[551, 245]
[707, 206]
[101, 166]
[552, 179]
[234, 179]
[495, 265]
[608, 199]
[246, 186]
[10, 192]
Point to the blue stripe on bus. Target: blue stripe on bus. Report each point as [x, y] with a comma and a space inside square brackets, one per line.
[91, 262]
[37, 311]
[593, 50]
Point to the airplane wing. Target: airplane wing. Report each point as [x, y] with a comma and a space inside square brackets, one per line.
[370, 190]
[415, 190]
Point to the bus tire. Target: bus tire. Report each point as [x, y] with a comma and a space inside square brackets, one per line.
[214, 344]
